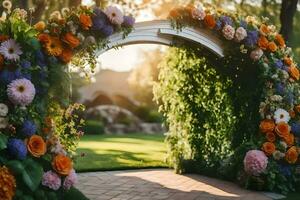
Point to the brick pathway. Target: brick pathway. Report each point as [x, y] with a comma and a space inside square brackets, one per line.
[159, 184]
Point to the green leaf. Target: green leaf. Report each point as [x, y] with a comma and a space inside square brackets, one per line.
[74, 193]
[3, 141]
[16, 166]
[27, 197]
[32, 174]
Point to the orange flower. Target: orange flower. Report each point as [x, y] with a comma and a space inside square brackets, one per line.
[270, 136]
[267, 125]
[3, 38]
[86, 21]
[62, 164]
[43, 37]
[292, 113]
[294, 72]
[174, 13]
[40, 26]
[268, 148]
[36, 146]
[287, 60]
[263, 42]
[264, 30]
[210, 21]
[54, 46]
[297, 108]
[289, 140]
[66, 55]
[280, 40]
[291, 155]
[7, 184]
[282, 129]
[272, 46]
[71, 40]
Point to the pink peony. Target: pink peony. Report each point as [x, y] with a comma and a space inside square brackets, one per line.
[198, 13]
[51, 180]
[228, 32]
[240, 34]
[256, 54]
[70, 180]
[21, 92]
[114, 15]
[255, 162]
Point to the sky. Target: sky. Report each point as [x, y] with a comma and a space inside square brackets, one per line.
[127, 57]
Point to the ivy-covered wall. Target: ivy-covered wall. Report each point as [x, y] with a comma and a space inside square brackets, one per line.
[207, 106]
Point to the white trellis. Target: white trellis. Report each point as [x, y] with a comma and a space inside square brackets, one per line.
[161, 32]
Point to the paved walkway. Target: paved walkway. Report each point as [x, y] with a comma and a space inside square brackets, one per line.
[159, 184]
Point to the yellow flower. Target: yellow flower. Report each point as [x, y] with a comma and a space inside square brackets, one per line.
[54, 46]
[7, 184]
[40, 26]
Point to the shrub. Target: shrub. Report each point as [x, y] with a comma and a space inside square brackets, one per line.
[93, 127]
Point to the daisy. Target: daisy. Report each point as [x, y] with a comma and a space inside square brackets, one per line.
[21, 92]
[11, 50]
[281, 115]
[114, 15]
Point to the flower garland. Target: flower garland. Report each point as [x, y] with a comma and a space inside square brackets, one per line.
[277, 145]
[38, 133]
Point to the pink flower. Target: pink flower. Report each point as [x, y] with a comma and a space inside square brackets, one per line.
[228, 32]
[256, 54]
[21, 92]
[70, 180]
[240, 34]
[51, 180]
[114, 15]
[198, 13]
[255, 162]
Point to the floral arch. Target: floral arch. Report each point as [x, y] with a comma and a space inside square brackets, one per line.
[38, 134]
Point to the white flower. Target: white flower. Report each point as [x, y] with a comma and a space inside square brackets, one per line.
[3, 17]
[65, 11]
[228, 32]
[114, 15]
[3, 110]
[198, 13]
[281, 115]
[11, 50]
[55, 16]
[277, 155]
[283, 144]
[256, 54]
[7, 5]
[240, 34]
[277, 98]
[21, 13]
[3, 122]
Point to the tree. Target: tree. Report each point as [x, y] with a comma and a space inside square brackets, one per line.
[288, 11]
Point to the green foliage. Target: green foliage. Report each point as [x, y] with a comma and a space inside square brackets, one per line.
[148, 114]
[92, 127]
[3, 141]
[73, 193]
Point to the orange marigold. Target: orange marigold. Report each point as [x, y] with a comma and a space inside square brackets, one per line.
[263, 42]
[282, 129]
[85, 21]
[7, 184]
[270, 136]
[279, 39]
[264, 30]
[54, 46]
[289, 140]
[267, 125]
[210, 21]
[287, 60]
[294, 72]
[291, 155]
[40, 26]
[268, 148]
[71, 40]
[272, 47]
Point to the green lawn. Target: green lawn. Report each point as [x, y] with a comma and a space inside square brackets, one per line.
[111, 152]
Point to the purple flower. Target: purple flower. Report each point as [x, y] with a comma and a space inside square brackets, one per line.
[17, 148]
[70, 180]
[280, 88]
[21, 92]
[107, 30]
[25, 64]
[226, 20]
[7, 76]
[28, 128]
[98, 23]
[218, 25]
[252, 38]
[128, 21]
[279, 64]
[295, 128]
[51, 180]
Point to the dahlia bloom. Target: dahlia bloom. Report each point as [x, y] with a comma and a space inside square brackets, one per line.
[21, 92]
[7, 184]
[114, 15]
[11, 50]
[228, 32]
[256, 54]
[51, 180]
[281, 115]
[240, 34]
[255, 162]
[17, 148]
[70, 180]
[3, 110]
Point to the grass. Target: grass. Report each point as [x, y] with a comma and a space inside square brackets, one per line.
[113, 152]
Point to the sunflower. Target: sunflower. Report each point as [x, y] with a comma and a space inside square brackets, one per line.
[54, 46]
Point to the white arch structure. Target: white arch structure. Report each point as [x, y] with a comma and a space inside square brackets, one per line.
[161, 32]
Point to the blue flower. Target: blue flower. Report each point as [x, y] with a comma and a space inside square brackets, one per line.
[218, 25]
[28, 128]
[7, 76]
[98, 23]
[40, 59]
[25, 64]
[243, 24]
[295, 128]
[17, 148]
[107, 30]
[280, 88]
[279, 64]
[252, 38]
[226, 20]
[285, 170]
[128, 21]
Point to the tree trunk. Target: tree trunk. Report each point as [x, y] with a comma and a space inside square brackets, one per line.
[288, 11]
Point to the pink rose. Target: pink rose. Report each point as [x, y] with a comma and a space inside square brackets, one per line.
[228, 32]
[256, 54]
[198, 13]
[255, 162]
[240, 34]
